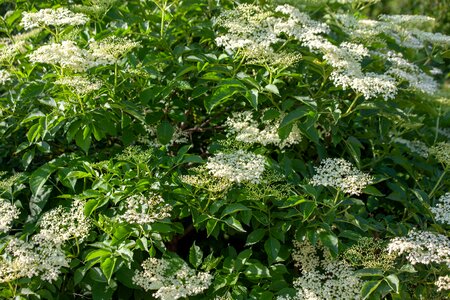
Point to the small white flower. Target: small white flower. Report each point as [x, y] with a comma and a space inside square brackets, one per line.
[246, 129]
[342, 175]
[237, 166]
[422, 247]
[8, 213]
[60, 225]
[442, 209]
[79, 84]
[52, 17]
[443, 283]
[144, 210]
[417, 147]
[172, 279]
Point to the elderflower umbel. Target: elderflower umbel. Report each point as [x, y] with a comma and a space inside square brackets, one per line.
[144, 210]
[442, 209]
[237, 166]
[65, 54]
[8, 213]
[342, 175]
[422, 247]
[60, 225]
[322, 278]
[52, 17]
[5, 77]
[9, 50]
[247, 130]
[79, 84]
[442, 153]
[443, 283]
[29, 259]
[172, 279]
[109, 50]
[417, 147]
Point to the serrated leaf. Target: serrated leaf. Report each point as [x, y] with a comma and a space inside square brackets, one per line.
[393, 281]
[369, 287]
[272, 88]
[233, 208]
[330, 241]
[221, 95]
[272, 247]
[255, 236]
[195, 255]
[294, 116]
[108, 265]
[369, 272]
[235, 224]
[164, 132]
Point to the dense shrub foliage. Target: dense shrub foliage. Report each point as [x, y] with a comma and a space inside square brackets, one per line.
[210, 149]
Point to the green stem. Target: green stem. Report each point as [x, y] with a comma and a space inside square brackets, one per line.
[437, 125]
[349, 110]
[336, 198]
[437, 184]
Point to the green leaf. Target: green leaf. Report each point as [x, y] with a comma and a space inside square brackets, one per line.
[233, 208]
[272, 88]
[257, 271]
[371, 190]
[252, 97]
[98, 253]
[255, 236]
[235, 224]
[83, 139]
[39, 177]
[108, 265]
[294, 116]
[272, 247]
[164, 132]
[369, 287]
[393, 281]
[330, 241]
[369, 272]
[195, 255]
[221, 95]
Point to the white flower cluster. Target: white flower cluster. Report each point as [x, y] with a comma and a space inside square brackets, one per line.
[246, 129]
[29, 259]
[144, 210]
[409, 72]
[52, 17]
[345, 58]
[109, 50]
[422, 247]
[322, 278]
[443, 283]
[5, 77]
[9, 50]
[442, 153]
[68, 55]
[237, 166]
[81, 85]
[60, 225]
[8, 213]
[442, 209]
[251, 30]
[342, 175]
[65, 54]
[403, 29]
[417, 147]
[171, 280]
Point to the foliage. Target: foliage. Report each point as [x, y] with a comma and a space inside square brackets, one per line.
[219, 150]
